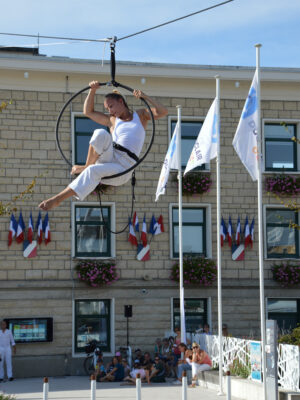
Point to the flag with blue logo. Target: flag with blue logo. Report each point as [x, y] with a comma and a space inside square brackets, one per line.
[245, 138]
[205, 147]
[170, 162]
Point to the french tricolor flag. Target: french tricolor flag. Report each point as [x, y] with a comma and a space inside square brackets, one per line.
[143, 252]
[132, 238]
[252, 233]
[20, 230]
[29, 249]
[159, 226]
[223, 232]
[39, 228]
[229, 232]
[30, 229]
[238, 232]
[135, 222]
[144, 232]
[13, 227]
[247, 236]
[46, 229]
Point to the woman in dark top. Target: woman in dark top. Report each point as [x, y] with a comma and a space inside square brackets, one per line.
[115, 372]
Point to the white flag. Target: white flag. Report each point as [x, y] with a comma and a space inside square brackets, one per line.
[245, 139]
[205, 147]
[171, 161]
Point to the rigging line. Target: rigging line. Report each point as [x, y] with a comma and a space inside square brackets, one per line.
[175, 20]
[57, 37]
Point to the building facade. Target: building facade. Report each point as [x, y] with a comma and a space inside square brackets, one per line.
[47, 286]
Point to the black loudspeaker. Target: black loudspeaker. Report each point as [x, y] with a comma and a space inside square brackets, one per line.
[127, 311]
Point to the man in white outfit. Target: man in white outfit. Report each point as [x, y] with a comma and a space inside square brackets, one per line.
[6, 343]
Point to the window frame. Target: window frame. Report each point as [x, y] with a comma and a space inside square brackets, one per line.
[296, 146]
[172, 118]
[297, 299]
[111, 351]
[207, 225]
[74, 115]
[297, 236]
[111, 206]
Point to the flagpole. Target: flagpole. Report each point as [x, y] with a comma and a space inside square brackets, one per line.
[181, 287]
[260, 226]
[219, 261]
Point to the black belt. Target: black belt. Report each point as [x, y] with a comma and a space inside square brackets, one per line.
[121, 148]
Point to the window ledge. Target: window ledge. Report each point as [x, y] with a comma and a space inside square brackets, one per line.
[281, 172]
[282, 259]
[74, 258]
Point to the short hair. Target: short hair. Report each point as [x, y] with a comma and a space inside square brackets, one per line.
[183, 345]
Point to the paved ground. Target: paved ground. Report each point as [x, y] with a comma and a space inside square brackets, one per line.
[78, 387]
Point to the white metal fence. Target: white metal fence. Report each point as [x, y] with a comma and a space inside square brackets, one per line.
[235, 348]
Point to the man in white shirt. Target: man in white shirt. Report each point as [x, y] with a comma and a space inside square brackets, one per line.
[6, 343]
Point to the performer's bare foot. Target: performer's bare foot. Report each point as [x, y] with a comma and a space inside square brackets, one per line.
[49, 204]
[77, 169]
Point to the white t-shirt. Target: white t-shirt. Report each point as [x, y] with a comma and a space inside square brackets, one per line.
[140, 371]
[6, 338]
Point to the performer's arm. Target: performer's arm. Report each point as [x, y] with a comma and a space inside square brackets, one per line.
[88, 107]
[158, 109]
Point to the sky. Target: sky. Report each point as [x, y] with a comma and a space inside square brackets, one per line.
[222, 36]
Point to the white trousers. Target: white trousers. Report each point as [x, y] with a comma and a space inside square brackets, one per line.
[5, 354]
[196, 368]
[110, 162]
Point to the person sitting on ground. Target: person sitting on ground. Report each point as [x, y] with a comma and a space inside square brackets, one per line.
[158, 371]
[158, 346]
[137, 369]
[200, 362]
[138, 355]
[166, 354]
[109, 153]
[100, 370]
[116, 372]
[126, 367]
[185, 364]
[148, 362]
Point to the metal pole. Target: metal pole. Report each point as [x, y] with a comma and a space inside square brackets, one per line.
[138, 387]
[182, 314]
[127, 331]
[45, 388]
[219, 260]
[93, 387]
[260, 226]
[228, 379]
[184, 386]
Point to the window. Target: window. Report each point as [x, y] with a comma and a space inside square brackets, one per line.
[83, 130]
[280, 149]
[92, 322]
[193, 231]
[285, 311]
[282, 240]
[189, 133]
[195, 313]
[91, 238]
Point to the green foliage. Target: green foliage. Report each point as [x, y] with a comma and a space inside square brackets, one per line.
[7, 397]
[196, 270]
[237, 368]
[291, 338]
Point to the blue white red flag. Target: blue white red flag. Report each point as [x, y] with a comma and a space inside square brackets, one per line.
[143, 252]
[205, 147]
[39, 228]
[170, 161]
[238, 232]
[247, 236]
[245, 138]
[223, 232]
[46, 229]
[29, 249]
[153, 225]
[30, 229]
[159, 226]
[20, 236]
[229, 232]
[144, 232]
[132, 237]
[252, 233]
[135, 222]
[238, 252]
[13, 227]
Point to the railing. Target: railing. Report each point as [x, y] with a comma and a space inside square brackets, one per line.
[235, 348]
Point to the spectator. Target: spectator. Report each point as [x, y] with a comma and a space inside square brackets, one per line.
[158, 371]
[225, 330]
[119, 357]
[6, 343]
[200, 329]
[185, 364]
[138, 355]
[168, 358]
[100, 370]
[200, 362]
[206, 329]
[148, 362]
[126, 367]
[115, 373]
[137, 369]
[158, 346]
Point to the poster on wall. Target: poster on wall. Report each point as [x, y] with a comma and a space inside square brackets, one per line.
[255, 361]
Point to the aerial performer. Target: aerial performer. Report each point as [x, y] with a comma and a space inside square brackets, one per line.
[109, 153]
